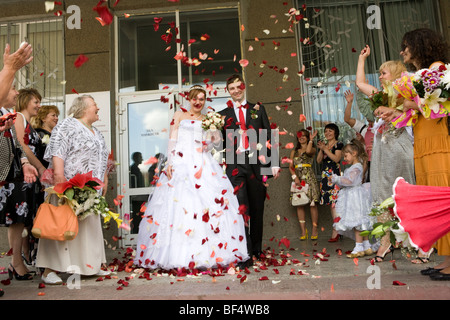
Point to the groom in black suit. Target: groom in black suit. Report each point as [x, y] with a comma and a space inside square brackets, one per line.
[249, 153]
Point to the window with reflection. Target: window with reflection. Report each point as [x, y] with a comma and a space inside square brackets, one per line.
[331, 37]
[155, 53]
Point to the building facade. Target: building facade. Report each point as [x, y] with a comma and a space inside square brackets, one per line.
[136, 58]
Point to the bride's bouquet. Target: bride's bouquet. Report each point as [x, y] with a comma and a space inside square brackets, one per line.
[81, 193]
[213, 121]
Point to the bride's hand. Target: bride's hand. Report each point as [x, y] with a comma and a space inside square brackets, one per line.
[169, 172]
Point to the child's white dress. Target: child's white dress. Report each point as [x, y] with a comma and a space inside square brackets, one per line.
[354, 201]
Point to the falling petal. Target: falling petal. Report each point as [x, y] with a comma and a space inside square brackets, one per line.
[243, 62]
[82, 59]
[49, 6]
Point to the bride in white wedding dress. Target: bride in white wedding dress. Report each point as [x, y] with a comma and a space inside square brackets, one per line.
[192, 218]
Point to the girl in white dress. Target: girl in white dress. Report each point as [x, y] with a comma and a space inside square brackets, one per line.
[192, 218]
[354, 199]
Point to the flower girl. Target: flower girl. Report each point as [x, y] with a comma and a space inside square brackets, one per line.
[354, 199]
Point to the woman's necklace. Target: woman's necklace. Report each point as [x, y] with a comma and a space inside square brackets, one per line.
[331, 145]
[197, 117]
[86, 125]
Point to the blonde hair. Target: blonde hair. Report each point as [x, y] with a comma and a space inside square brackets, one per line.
[24, 98]
[395, 67]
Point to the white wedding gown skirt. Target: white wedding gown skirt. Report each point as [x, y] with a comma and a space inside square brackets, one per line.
[192, 220]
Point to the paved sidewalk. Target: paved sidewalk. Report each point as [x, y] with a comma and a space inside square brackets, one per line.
[307, 271]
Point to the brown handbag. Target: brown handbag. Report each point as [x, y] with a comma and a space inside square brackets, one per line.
[55, 222]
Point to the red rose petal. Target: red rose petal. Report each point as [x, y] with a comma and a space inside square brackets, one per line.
[104, 14]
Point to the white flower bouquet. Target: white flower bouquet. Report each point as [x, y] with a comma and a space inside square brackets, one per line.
[213, 121]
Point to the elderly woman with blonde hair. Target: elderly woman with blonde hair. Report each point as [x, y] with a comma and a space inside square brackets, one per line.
[76, 146]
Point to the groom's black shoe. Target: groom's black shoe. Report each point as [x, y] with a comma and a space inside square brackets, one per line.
[259, 255]
[245, 264]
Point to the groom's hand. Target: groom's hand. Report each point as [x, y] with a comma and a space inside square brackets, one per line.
[276, 172]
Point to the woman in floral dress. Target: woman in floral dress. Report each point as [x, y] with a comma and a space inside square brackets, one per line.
[329, 156]
[301, 169]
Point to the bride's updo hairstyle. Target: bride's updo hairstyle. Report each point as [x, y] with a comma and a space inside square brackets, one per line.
[195, 90]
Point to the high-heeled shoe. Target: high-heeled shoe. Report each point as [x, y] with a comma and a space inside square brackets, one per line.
[421, 260]
[304, 237]
[314, 228]
[335, 239]
[388, 250]
[13, 274]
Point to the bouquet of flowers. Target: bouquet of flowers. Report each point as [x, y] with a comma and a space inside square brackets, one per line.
[429, 88]
[397, 236]
[386, 97]
[377, 99]
[81, 193]
[213, 121]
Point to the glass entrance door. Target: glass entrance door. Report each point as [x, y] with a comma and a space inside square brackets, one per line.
[143, 136]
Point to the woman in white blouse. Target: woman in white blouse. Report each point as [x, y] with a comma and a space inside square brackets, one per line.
[76, 147]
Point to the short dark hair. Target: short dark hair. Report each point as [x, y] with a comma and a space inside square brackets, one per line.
[333, 127]
[426, 46]
[234, 78]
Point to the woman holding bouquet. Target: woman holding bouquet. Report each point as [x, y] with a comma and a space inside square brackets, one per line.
[392, 150]
[425, 48]
[76, 147]
[192, 218]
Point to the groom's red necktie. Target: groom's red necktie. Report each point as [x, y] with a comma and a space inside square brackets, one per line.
[243, 128]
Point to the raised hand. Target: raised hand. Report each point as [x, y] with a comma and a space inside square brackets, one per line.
[349, 96]
[365, 52]
[18, 59]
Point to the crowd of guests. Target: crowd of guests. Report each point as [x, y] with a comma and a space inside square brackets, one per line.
[380, 153]
[36, 142]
